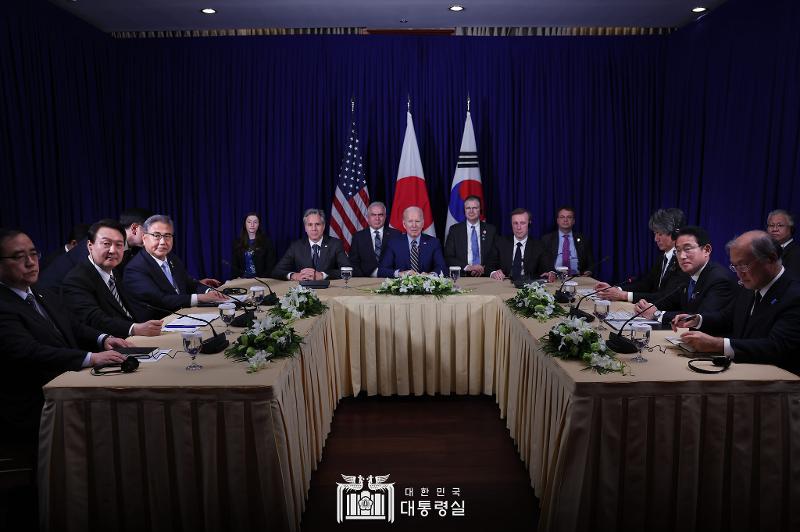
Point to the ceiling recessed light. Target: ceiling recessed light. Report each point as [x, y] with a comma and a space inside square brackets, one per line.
[208, 11]
[456, 8]
[698, 9]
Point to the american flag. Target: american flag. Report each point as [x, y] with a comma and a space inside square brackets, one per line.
[350, 202]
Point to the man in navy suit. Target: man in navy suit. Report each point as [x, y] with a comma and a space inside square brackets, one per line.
[315, 257]
[41, 340]
[763, 323]
[780, 226]
[157, 277]
[369, 244]
[414, 254]
[470, 244]
[92, 290]
[710, 287]
[519, 257]
[566, 247]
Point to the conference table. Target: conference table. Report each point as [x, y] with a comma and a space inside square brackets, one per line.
[659, 448]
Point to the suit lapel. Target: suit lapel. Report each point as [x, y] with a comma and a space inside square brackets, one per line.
[55, 318]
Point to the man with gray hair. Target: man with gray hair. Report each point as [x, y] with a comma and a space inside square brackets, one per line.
[763, 323]
[158, 278]
[665, 275]
[780, 226]
[417, 253]
[369, 244]
[315, 257]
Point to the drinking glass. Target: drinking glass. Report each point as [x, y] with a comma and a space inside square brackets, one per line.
[191, 344]
[562, 272]
[455, 274]
[601, 307]
[570, 288]
[226, 313]
[347, 273]
[257, 295]
[640, 334]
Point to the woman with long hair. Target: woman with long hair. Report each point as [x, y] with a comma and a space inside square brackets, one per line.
[253, 251]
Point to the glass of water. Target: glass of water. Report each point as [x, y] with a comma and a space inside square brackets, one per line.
[226, 313]
[257, 295]
[562, 272]
[191, 344]
[601, 307]
[455, 274]
[570, 288]
[640, 334]
[347, 273]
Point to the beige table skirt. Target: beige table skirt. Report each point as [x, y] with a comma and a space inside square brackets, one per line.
[664, 448]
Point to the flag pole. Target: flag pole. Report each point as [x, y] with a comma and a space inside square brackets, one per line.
[468, 102]
[408, 104]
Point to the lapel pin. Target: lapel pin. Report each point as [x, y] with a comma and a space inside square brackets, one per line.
[773, 301]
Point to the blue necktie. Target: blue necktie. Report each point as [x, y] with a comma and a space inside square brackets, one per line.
[476, 252]
[378, 244]
[690, 290]
[168, 273]
[315, 256]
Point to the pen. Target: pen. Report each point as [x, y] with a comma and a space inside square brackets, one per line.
[687, 318]
[181, 326]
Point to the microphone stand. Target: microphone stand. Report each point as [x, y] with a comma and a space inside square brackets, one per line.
[563, 297]
[575, 311]
[215, 344]
[246, 318]
[270, 299]
[618, 343]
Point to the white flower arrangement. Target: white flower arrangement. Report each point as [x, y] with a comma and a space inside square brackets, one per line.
[534, 301]
[263, 342]
[299, 302]
[419, 284]
[574, 339]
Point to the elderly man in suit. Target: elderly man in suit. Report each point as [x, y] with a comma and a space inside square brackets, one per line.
[315, 257]
[470, 245]
[664, 275]
[566, 247]
[92, 289]
[520, 256]
[710, 287]
[369, 244]
[780, 226]
[763, 323]
[416, 253]
[156, 280]
[41, 339]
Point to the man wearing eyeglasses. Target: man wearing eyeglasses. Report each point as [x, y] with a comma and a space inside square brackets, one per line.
[763, 323]
[780, 226]
[710, 287]
[41, 340]
[158, 278]
[470, 244]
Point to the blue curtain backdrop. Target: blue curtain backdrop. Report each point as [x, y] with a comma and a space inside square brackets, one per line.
[209, 129]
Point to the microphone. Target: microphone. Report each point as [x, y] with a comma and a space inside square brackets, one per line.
[563, 297]
[215, 344]
[575, 311]
[246, 318]
[618, 343]
[272, 298]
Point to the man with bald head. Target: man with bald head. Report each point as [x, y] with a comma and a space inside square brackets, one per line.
[763, 323]
[416, 253]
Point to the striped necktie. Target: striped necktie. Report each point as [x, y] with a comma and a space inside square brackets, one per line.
[168, 273]
[414, 256]
[378, 244]
[112, 285]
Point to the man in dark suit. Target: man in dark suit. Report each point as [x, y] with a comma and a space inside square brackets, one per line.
[520, 256]
[315, 257]
[416, 253]
[368, 245]
[762, 326]
[40, 340]
[158, 278]
[132, 220]
[92, 290]
[665, 275]
[565, 247]
[710, 287]
[76, 235]
[470, 244]
[780, 226]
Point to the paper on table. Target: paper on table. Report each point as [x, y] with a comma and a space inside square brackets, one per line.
[187, 322]
[155, 357]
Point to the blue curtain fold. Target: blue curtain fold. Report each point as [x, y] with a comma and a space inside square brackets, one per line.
[208, 129]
